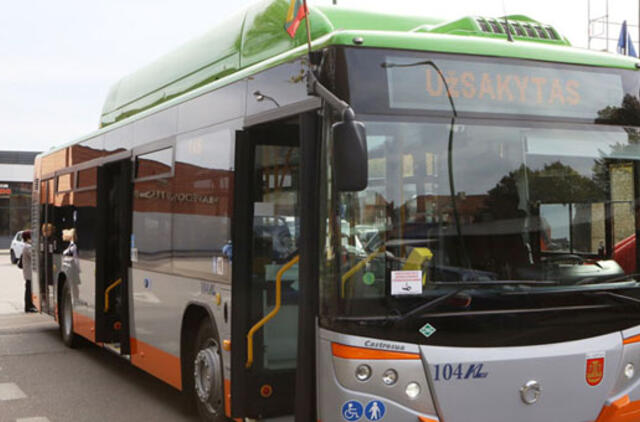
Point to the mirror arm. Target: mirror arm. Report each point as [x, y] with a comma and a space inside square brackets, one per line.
[314, 87]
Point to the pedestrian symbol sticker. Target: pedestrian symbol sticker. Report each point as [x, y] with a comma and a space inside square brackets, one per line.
[427, 330]
[375, 410]
[352, 411]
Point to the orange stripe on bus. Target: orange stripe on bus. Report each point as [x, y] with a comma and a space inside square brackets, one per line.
[352, 352]
[84, 326]
[426, 419]
[631, 340]
[227, 397]
[621, 410]
[227, 400]
[158, 363]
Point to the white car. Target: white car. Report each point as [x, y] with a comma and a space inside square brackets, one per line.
[17, 245]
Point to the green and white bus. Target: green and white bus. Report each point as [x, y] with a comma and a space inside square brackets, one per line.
[417, 220]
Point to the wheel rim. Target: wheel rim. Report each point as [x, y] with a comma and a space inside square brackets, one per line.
[67, 315]
[207, 377]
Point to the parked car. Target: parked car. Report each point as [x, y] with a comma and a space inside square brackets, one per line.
[17, 245]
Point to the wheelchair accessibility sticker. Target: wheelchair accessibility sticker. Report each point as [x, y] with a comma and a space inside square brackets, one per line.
[352, 410]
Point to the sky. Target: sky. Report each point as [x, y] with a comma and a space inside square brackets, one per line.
[58, 59]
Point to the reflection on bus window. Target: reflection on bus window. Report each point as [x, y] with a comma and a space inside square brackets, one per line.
[499, 203]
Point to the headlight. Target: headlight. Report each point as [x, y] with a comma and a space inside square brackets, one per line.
[629, 370]
[412, 390]
[390, 377]
[363, 372]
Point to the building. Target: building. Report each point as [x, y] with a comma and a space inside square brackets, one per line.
[16, 176]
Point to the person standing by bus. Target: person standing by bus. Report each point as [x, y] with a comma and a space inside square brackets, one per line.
[25, 264]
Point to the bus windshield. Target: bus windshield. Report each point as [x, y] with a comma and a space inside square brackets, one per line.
[473, 206]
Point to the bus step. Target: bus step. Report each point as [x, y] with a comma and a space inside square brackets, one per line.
[115, 348]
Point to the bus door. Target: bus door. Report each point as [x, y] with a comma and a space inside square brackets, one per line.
[113, 255]
[47, 247]
[266, 235]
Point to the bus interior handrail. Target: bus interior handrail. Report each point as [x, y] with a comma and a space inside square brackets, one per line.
[273, 312]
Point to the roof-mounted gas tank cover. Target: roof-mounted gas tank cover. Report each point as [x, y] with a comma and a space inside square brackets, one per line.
[522, 28]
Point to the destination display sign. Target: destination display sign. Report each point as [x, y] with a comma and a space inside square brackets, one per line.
[501, 88]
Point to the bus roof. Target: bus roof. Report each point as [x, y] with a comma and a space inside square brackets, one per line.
[257, 34]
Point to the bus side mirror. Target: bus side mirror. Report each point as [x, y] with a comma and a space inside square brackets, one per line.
[350, 154]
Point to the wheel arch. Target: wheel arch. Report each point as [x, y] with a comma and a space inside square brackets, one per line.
[193, 314]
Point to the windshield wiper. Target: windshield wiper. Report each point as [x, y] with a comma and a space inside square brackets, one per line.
[466, 285]
[495, 283]
[463, 287]
[397, 316]
[595, 280]
[624, 298]
[428, 305]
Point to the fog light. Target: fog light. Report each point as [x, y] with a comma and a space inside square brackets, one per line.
[363, 372]
[390, 377]
[629, 370]
[413, 390]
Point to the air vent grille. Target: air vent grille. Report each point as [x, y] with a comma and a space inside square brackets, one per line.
[552, 33]
[520, 27]
[496, 28]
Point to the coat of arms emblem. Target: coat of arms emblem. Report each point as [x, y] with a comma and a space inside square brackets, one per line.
[595, 370]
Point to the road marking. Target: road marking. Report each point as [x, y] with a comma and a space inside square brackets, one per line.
[36, 419]
[10, 391]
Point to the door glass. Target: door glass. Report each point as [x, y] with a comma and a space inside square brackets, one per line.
[276, 232]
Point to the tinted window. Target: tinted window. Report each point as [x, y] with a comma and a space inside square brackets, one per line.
[151, 241]
[201, 205]
[155, 163]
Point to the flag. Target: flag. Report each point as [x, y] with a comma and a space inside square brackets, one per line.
[297, 12]
[625, 45]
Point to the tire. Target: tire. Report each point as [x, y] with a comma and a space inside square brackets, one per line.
[14, 260]
[65, 318]
[206, 376]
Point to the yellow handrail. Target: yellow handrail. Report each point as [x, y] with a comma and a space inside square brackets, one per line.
[273, 312]
[106, 293]
[346, 276]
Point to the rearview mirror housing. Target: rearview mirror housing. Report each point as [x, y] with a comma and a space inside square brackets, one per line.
[350, 154]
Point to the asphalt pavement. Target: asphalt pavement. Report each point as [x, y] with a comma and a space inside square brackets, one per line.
[43, 381]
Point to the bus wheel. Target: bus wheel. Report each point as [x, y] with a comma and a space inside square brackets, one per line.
[207, 374]
[66, 317]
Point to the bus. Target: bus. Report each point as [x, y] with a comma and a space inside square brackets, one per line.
[407, 219]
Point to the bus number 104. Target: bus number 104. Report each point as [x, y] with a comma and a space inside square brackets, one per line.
[459, 371]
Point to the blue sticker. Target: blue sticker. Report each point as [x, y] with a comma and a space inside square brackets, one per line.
[375, 410]
[352, 410]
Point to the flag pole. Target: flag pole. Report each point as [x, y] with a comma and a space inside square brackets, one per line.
[306, 19]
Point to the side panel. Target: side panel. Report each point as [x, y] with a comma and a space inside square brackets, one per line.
[159, 306]
[157, 126]
[180, 248]
[83, 274]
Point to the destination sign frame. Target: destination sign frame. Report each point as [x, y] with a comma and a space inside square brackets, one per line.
[371, 89]
[514, 88]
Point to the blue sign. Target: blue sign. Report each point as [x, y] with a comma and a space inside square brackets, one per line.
[352, 410]
[375, 410]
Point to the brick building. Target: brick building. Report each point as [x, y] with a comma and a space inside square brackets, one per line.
[16, 176]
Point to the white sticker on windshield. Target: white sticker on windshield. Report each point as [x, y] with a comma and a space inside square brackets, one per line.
[406, 282]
